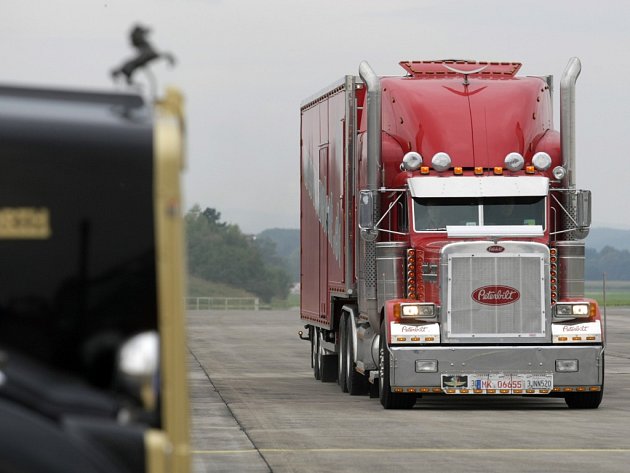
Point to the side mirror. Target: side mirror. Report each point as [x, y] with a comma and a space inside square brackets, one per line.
[583, 209]
[366, 215]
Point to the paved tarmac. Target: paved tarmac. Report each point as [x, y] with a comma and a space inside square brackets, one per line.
[257, 408]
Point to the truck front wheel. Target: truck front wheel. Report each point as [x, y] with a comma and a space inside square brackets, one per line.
[584, 400]
[590, 400]
[389, 399]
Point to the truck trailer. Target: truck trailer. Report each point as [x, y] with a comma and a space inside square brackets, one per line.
[442, 236]
[92, 334]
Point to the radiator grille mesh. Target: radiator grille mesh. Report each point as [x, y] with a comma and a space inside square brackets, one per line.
[521, 315]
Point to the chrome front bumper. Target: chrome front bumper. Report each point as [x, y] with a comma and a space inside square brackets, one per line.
[516, 360]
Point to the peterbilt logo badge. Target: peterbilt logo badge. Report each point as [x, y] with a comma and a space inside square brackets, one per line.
[495, 249]
[496, 295]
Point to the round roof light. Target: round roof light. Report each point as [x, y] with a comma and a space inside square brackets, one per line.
[541, 161]
[559, 172]
[441, 161]
[514, 161]
[411, 161]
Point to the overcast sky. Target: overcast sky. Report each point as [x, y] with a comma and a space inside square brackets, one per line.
[246, 65]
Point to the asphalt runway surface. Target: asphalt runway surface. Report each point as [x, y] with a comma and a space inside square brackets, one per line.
[257, 408]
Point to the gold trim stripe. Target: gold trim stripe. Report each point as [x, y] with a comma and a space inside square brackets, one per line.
[413, 450]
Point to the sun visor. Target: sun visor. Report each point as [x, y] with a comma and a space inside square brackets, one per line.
[461, 231]
[469, 186]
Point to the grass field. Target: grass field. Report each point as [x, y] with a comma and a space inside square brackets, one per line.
[200, 288]
[617, 292]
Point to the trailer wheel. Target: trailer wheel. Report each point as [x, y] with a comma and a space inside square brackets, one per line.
[389, 399]
[315, 352]
[356, 382]
[342, 362]
[326, 364]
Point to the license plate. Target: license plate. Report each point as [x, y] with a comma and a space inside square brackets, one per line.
[497, 383]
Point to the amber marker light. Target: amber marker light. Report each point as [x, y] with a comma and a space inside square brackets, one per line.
[424, 170]
[498, 170]
[397, 311]
[478, 171]
[530, 169]
[458, 171]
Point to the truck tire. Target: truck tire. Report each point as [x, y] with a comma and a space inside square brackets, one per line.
[315, 353]
[389, 399]
[327, 364]
[586, 400]
[342, 364]
[356, 382]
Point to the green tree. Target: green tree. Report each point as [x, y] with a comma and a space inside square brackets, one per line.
[615, 263]
[220, 252]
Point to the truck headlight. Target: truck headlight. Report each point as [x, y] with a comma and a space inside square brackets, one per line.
[138, 366]
[573, 310]
[418, 311]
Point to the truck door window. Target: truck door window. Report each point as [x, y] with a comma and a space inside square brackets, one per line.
[436, 214]
[514, 211]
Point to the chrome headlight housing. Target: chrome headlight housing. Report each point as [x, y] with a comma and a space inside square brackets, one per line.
[419, 310]
[572, 310]
[138, 367]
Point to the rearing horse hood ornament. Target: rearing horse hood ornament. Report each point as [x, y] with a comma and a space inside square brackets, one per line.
[146, 54]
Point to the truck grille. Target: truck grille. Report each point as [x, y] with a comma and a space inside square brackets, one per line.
[491, 297]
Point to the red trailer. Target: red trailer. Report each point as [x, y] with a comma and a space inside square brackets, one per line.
[443, 236]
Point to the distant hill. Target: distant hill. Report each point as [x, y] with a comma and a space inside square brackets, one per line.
[614, 262]
[599, 238]
[287, 241]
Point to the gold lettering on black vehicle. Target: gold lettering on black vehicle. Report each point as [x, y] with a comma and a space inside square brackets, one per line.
[21, 223]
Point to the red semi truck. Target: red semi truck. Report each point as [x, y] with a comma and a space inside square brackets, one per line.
[442, 236]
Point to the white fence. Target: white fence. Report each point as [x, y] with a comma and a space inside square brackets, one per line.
[222, 303]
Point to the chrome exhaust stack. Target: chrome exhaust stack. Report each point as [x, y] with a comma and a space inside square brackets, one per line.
[567, 120]
[571, 251]
[368, 199]
[374, 126]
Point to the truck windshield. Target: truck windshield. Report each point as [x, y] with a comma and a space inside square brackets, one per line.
[435, 214]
